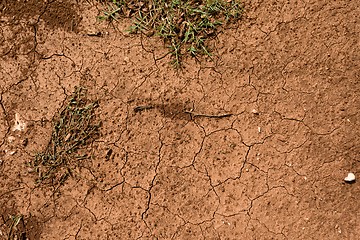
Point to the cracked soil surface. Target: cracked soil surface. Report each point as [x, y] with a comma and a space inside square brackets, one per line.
[288, 73]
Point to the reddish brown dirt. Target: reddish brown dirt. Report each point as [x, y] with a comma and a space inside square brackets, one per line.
[289, 74]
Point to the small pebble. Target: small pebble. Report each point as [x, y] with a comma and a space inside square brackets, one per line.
[350, 178]
[254, 111]
[12, 152]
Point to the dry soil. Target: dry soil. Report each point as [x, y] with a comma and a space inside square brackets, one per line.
[288, 74]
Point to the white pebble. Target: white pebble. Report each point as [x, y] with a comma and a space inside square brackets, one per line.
[350, 177]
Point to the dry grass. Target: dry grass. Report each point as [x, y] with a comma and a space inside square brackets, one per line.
[74, 130]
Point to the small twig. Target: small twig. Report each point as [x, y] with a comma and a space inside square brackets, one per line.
[142, 108]
[194, 114]
[95, 34]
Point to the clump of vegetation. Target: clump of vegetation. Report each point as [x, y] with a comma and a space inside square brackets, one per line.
[184, 25]
[75, 129]
[14, 232]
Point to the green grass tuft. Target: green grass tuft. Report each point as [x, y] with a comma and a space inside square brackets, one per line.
[184, 25]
